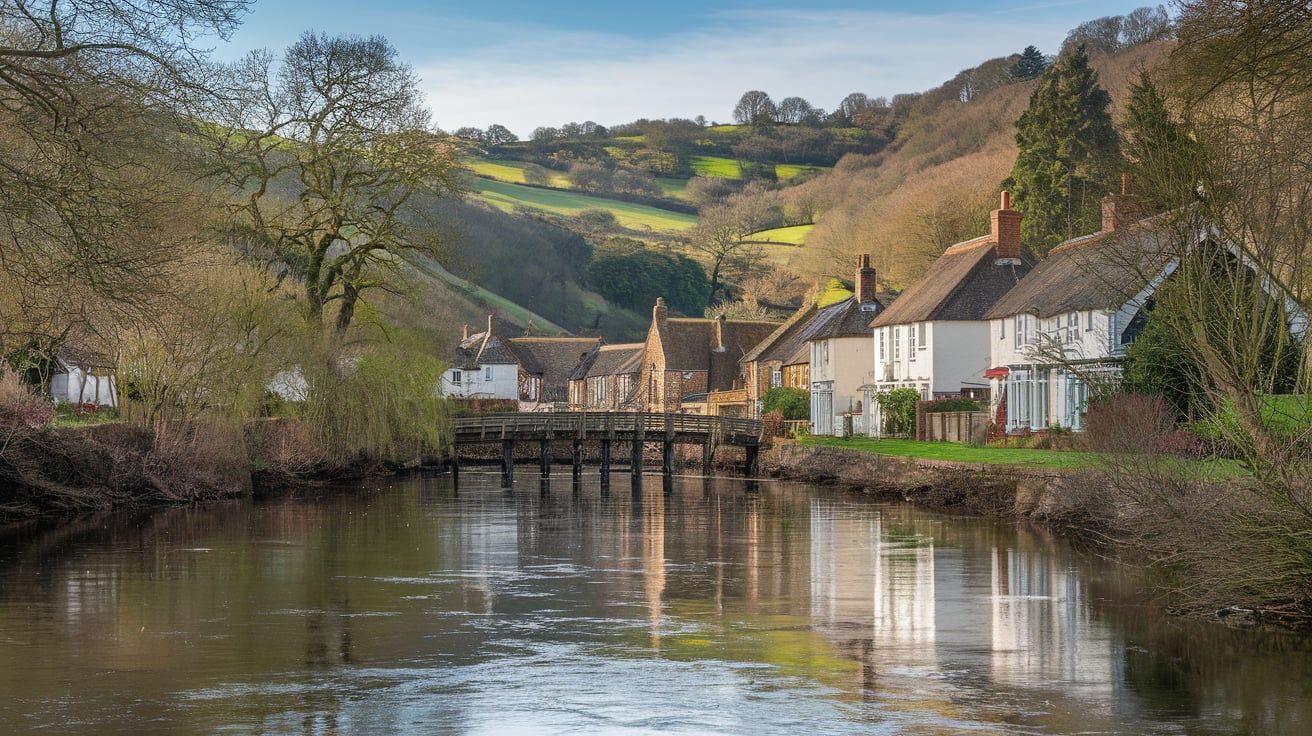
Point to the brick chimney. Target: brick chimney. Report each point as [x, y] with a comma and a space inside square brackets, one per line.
[865, 280]
[1006, 229]
[1119, 210]
[660, 314]
[465, 335]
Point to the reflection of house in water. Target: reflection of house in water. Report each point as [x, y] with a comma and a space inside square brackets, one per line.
[982, 605]
[1041, 628]
[866, 574]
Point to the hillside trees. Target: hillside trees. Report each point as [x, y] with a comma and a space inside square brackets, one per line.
[754, 108]
[1162, 158]
[1031, 64]
[1069, 154]
[631, 276]
[326, 149]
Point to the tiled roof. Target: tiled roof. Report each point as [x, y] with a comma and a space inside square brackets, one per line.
[1100, 271]
[553, 358]
[615, 360]
[963, 284]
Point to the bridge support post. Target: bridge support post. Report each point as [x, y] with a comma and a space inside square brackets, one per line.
[707, 452]
[667, 457]
[544, 454]
[639, 439]
[455, 467]
[507, 463]
[605, 461]
[753, 465]
[576, 458]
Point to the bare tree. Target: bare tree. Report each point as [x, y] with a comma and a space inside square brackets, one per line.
[326, 150]
[754, 108]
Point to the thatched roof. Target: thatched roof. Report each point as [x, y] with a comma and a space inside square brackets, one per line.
[1099, 271]
[963, 284]
[610, 360]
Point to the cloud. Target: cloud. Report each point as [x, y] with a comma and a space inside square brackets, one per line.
[531, 78]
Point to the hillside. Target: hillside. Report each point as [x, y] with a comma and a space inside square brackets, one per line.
[923, 175]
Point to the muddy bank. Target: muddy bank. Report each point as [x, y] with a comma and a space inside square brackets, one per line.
[66, 472]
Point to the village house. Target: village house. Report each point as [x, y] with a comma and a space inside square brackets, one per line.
[934, 337]
[840, 356]
[686, 358]
[781, 360]
[82, 378]
[1067, 325]
[532, 371]
[607, 379]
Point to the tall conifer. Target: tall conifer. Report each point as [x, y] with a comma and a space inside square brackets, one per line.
[1069, 154]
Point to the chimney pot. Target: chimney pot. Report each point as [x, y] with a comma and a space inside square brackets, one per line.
[865, 280]
[1006, 229]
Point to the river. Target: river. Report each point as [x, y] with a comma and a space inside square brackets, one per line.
[716, 606]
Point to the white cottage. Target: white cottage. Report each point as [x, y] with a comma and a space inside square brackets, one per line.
[1067, 325]
[839, 336]
[532, 371]
[934, 338]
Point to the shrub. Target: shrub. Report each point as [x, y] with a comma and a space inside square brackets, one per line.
[20, 405]
[899, 410]
[954, 405]
[793, 403]
[772, 424]
[1129, 423]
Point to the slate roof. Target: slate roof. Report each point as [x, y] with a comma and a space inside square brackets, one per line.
[848, 318]
[963, 284]
[1099, 271]
[786, 342]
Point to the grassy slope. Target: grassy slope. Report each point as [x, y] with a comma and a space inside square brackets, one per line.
[507, 196]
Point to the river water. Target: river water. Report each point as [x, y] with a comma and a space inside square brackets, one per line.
[715, 606]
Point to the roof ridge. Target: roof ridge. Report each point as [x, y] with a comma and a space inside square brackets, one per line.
[972, 243]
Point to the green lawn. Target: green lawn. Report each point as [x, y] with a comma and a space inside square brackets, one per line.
[1211, 468]
[506, 196]
[959, 453]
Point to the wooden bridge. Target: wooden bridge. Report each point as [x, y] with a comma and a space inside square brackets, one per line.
[634, 428]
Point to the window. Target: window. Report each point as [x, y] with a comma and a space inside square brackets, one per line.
[897, 344]
[776, 378]
[923, 329]
[1072, 326]
[1002, 327]
[911, 342]
[1088, 320]
[601, 388]
[883, 346]
[455, 378]
[1018, 331]
[487, 373]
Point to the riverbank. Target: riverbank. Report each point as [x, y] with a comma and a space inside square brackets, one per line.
[991, 489]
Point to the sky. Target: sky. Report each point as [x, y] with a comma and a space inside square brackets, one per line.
[530, 63]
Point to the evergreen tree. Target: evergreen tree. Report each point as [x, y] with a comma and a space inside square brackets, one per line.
[1162, 159]
[1031, 64]
[1069, 155]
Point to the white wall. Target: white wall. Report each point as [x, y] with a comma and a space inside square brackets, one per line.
[840, 366]
[503, 382]
[931, 357]
[102, 390]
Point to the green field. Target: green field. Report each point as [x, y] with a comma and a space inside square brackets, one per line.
[793, 235]
[506, 197]
[788, 171]
[725, 168]
[511, 172]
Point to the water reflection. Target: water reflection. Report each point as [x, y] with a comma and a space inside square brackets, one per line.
[706, 606]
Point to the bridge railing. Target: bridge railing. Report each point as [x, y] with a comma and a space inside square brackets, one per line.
[591, 425]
